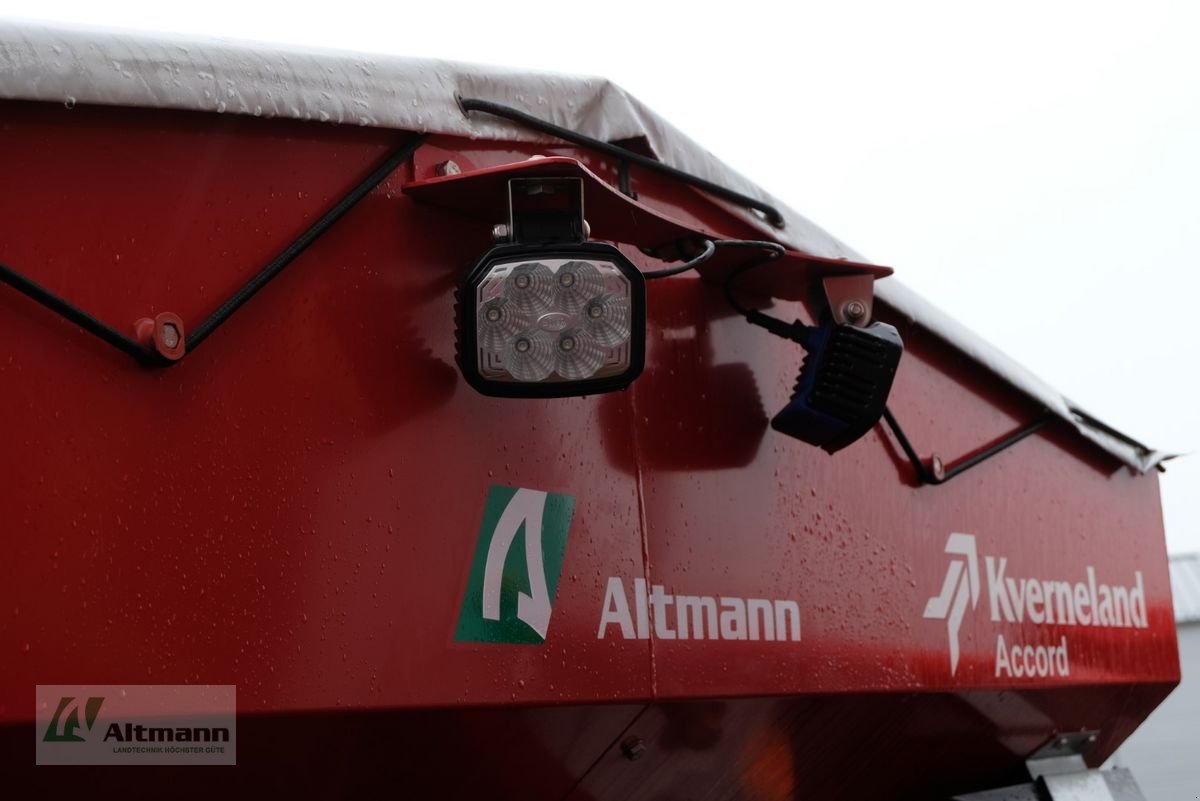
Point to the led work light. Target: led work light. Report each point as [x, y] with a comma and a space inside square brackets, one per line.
[551, 315]
[843, 384]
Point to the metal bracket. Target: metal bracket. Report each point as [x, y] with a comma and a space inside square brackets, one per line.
[1062, 754]
[851, 298]
[1060, 774]
[546, 210]
[1085, 785]
[482, 193]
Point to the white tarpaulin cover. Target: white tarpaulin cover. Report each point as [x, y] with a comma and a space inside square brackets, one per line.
[80, 65]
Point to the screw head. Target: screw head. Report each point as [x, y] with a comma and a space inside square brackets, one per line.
[500, 232]
[634, 748]
[170, 336]
[939, 469]
[854, 310]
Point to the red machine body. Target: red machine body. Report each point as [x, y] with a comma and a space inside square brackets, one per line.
[294, 508]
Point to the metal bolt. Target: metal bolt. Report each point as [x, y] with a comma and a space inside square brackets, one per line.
[447, 168]
[1091, 739]
[854, 310]
[634, 748]
[500, 232]
[939, 469]
[1063, 742]
[170, 336]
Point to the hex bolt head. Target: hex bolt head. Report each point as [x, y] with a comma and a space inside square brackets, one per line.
[447, 168]
[634, 748]
[854, 310]
[500, 232]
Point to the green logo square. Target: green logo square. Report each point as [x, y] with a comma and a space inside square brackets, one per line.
[515, 571]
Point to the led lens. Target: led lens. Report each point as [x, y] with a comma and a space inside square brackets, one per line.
[529, 356]
[577, 354]
[499, 321]
[606, 318]
[576, 283]
[531, 288]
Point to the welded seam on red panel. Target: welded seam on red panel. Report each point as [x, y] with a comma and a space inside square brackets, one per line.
[641, 496]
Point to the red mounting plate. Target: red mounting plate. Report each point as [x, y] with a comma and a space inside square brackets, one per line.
[483, 195]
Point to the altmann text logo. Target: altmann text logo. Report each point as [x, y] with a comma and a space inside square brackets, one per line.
[135, 724]
[65, 722]
[695, 617]
[510, 593]
[1036, 601]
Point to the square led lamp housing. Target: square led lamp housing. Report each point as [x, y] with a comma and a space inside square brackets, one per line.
[551, 321]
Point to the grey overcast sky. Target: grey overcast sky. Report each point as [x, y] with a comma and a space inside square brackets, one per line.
[1031, 167]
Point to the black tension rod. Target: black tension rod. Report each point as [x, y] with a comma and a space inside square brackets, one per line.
[301, 243]
[941, 476]
[772, 214]
[35, 291]
[149, 356]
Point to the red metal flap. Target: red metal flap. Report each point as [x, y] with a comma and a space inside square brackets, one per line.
[483, 195]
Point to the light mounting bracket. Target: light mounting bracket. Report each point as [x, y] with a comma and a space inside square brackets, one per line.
[546, 211]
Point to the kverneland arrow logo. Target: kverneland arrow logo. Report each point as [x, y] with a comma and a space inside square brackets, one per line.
[514, 575]
[960, 588]
[1024, 604]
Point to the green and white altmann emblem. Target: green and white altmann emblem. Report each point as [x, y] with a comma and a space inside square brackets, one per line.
[66, 721]
[514, 574]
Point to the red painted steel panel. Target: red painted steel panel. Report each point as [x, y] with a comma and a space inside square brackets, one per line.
[294, 507]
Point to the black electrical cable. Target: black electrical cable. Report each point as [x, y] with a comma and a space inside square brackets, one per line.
[768, 211]
[710, 248]
[795, 331]
[149, 356]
